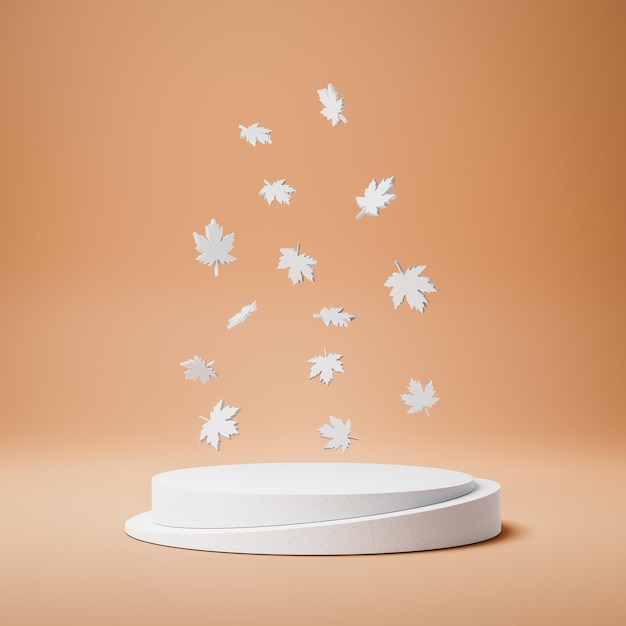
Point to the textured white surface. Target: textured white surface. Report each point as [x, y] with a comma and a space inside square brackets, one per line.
[468, 519]
[264, 494]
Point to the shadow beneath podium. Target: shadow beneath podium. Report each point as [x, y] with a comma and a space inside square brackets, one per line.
[512, 530]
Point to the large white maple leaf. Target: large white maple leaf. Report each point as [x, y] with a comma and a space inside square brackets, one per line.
[338, 433]
[213, 247]
[278, 191]
[325, 366]
[242, 315]
[255, 133]
[219, 424]
[333, 105]
[420, 397]
[410, 285]
[334, 316]
[376, 197]
[199, 369]
[300, 266]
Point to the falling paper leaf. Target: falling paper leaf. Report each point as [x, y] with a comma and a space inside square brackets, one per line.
[326, 366]
[255, 133]
[376, 197]
[219, 424]
[278, 191]
[300, 266]
[198, 368]
[420, 397]
[213, 247]
[338, 433]
[410, 285]
[334, 316]
[333, 105]
[242, 316]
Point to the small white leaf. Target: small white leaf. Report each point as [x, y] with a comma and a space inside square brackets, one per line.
[338, 433]
[255, 133]
[219, 424]
[278, 191]
[376, 197]
[325, 367]
[300, 266]
[410, 285]
[334, 316]
[333, 105]
[214, 248]
[242, 316]
[199, 369]
[419, 397]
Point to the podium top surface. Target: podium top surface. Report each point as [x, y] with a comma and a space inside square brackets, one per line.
[317, 479]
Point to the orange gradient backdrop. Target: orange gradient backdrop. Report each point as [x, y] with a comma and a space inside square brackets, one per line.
[503, 123]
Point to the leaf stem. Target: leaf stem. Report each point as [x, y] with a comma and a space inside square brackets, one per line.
[399, 267]
[361, 214]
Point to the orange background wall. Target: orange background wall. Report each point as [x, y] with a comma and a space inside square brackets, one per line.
[503, 123]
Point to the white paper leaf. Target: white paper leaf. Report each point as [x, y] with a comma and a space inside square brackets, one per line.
[199, 369]
[219, 424]
[213, 247]
[255, 133]
[242, 316]
[278, 191]
[419, 397]
[333, 105]
[410, 285]
[376, 197]
[300, 266]
[325, 367]
[338, 433]
[334, 316]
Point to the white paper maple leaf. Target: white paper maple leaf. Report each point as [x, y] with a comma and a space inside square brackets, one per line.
[255, 133]
[198, 368]
[333, 105]
[420, 397]
[338, 433]
[410, 285]
[278, 191]
[300, 266]
[242, 316]
[219, 424]
[376, 197]
[213, 247]
[325, 367]
[334, 316]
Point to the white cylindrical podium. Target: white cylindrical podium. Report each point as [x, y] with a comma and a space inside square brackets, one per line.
[318, 508]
